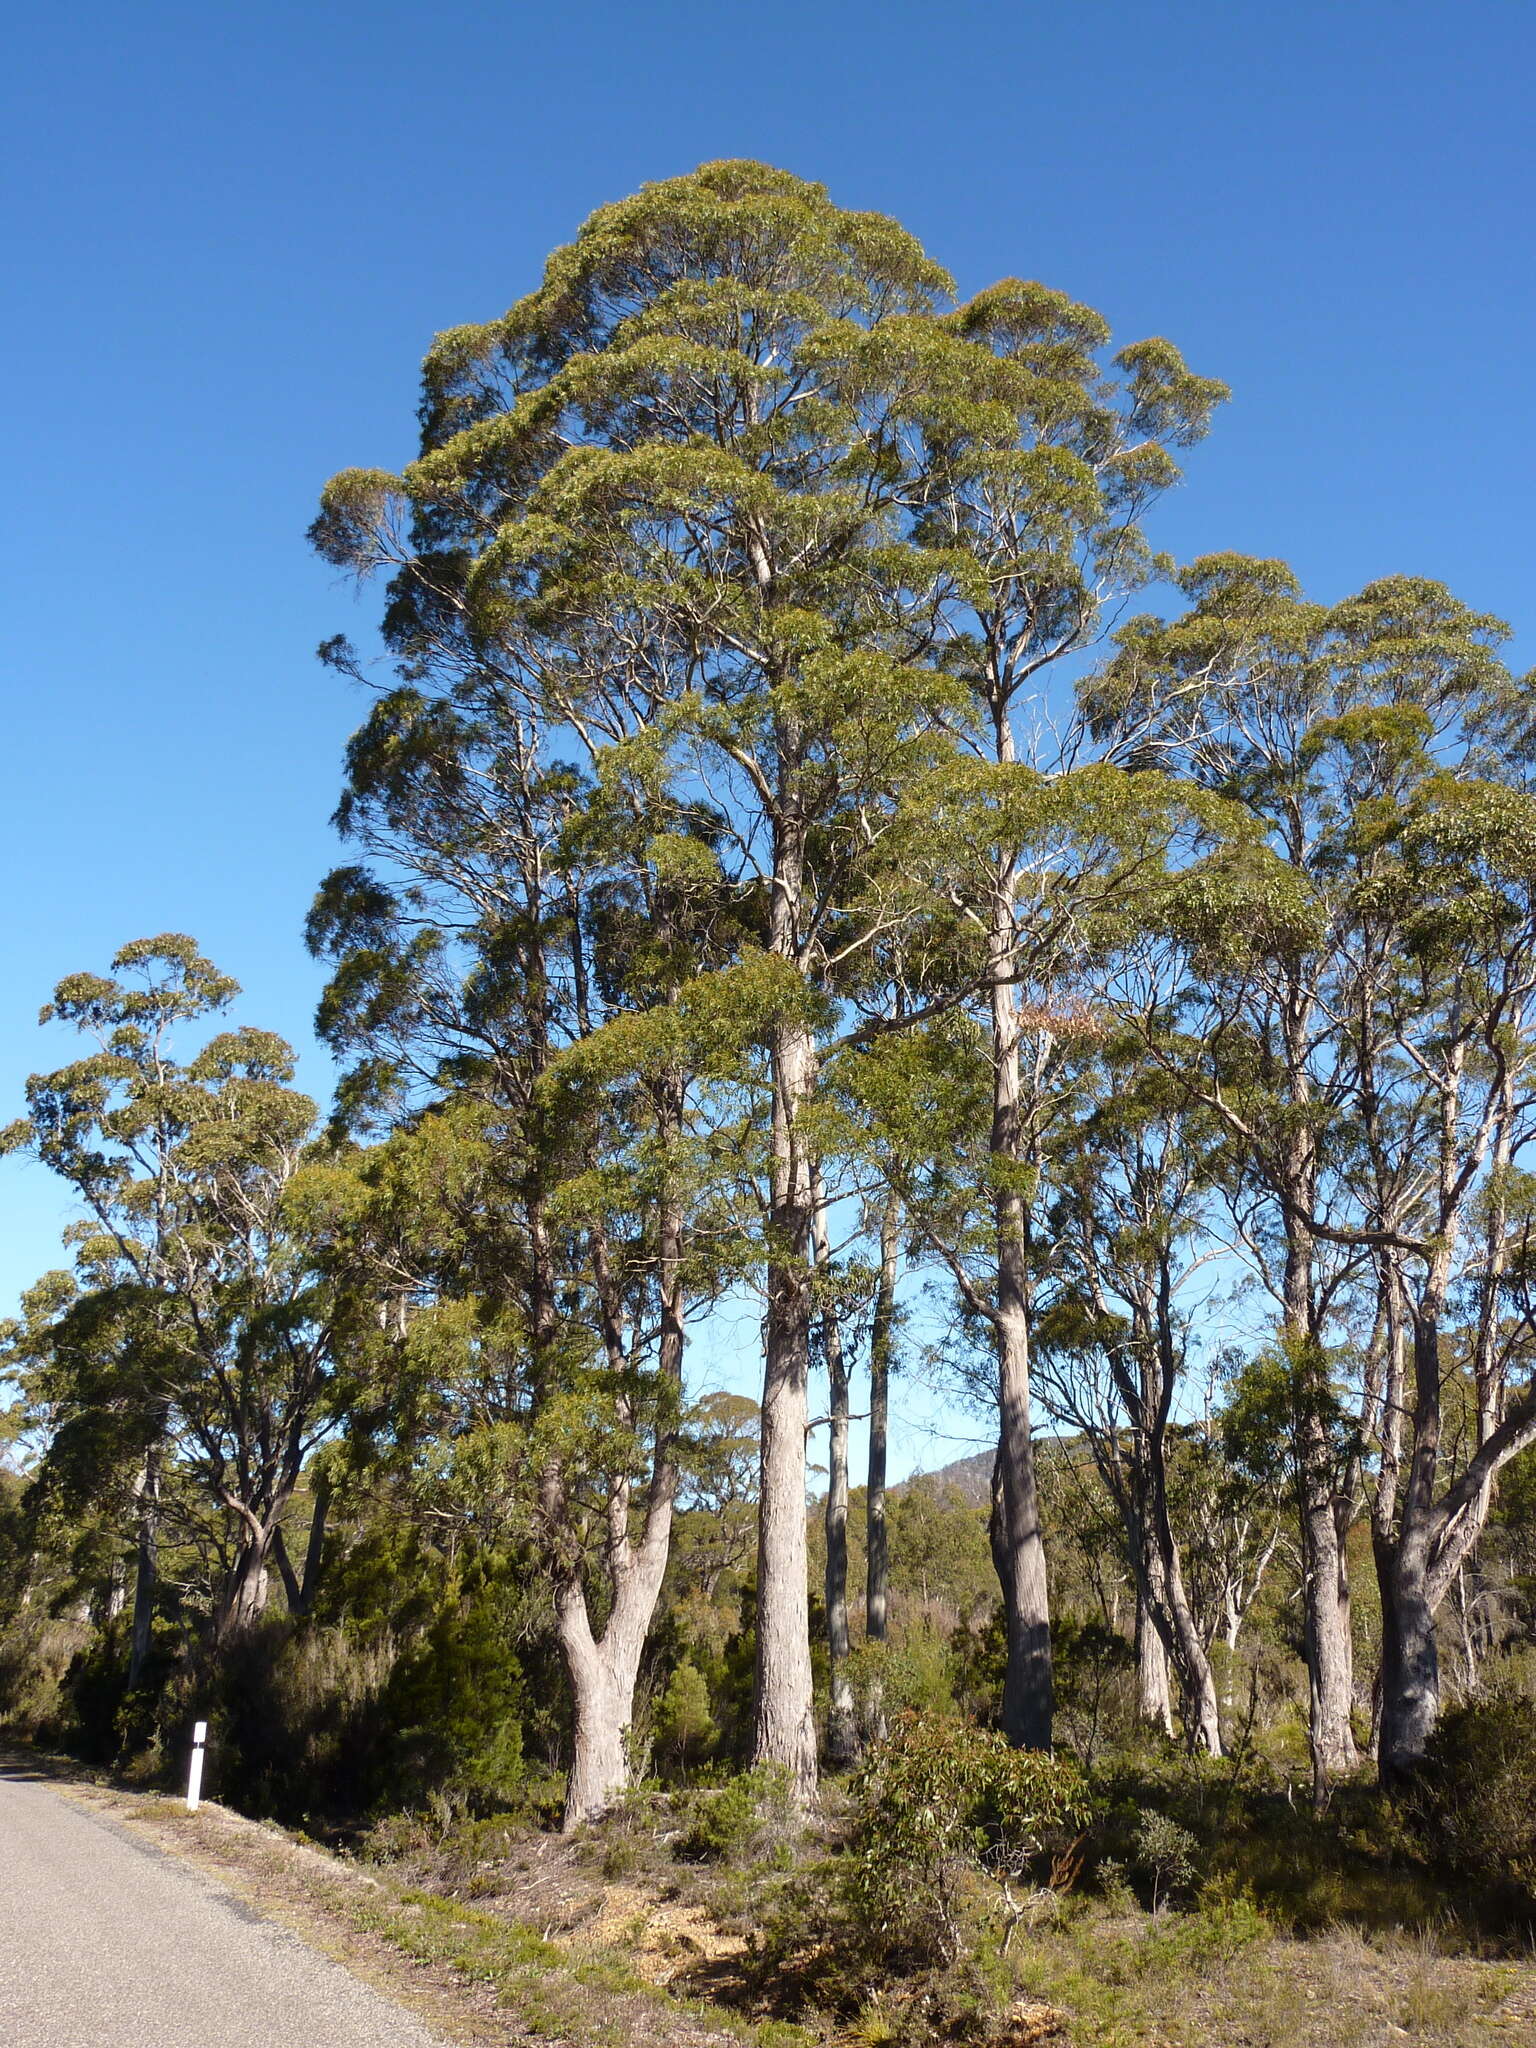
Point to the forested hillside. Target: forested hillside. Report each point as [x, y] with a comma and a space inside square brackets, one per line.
[813, 865]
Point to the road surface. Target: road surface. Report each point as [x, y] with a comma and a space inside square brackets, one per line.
[107, 1942]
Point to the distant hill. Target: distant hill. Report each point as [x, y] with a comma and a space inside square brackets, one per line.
[970, 1477]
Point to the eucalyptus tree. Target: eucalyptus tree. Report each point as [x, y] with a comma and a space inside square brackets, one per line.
[1094, 853]
[1134, 1223]
[508, 963]
[842, 1727]
[664, 488]
[883, 1336]
[104, 1429]
[716, 489]
[205, 1323]
[1447, 1058]
[1357, 1014]
[1038, 488]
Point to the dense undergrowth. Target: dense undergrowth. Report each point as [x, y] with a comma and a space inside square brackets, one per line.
[953, 1890]
[948, 1889]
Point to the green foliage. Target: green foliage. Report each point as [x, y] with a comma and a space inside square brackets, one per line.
[912, 1672]
[752, 1816]
[36, 1652]
[943, 1800]
[698, 839]
[685, 1726]
[454, 1705]
[208, 1326]
[1473, 1804]
[1166, 1853]
[938, 1547]
[1093, 1670]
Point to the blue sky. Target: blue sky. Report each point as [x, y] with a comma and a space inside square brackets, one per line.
[232, 233]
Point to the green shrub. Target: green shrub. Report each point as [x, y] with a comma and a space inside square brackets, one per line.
[685, 1726]
[912, 1674]
[1165, 1853]
[36, 1650]
[943, 1801]
[1473, 1803]
[749, 1818]
[1226, 1919]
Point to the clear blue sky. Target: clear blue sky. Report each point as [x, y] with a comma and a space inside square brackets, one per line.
[232, 233]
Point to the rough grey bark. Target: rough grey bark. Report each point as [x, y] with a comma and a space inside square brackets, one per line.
[1326, 1602]
[1154, 1701]
[243, 1597]
[1197, 1682]
[1410, 1653]
[882, 1341]
[1325, 1568]
[881, 1350]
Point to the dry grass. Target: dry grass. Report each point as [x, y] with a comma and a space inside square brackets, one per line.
[1128, 1983]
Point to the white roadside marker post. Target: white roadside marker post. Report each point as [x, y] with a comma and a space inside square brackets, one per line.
[195, 1774]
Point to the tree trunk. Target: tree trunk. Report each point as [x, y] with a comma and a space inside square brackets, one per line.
[146, 1577]
[602, 1673]
[1154, 1703]
[603, 1670]
[1171, 1608]
[1329, 1640]
[314, 1549]
[1019, 1554]
[1018, 1551]
[882, 1340]
[1410, 1655]
[785, 1727]
[244, 1598]
[1197, 1685]
[1325, 1581]
[600, 1763]
[293, 1592]
[1197, 1682]
[842, 1729]
[1410, 1666]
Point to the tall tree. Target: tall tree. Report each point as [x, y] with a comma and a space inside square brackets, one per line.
[1351, 1017]
[203, 1303]
[842, 1729]
[882, 1355]
[712, 468]
[679, 464]
[494, 960]
[1133, 1220]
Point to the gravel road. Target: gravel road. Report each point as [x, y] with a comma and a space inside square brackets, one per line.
[106, 1942]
